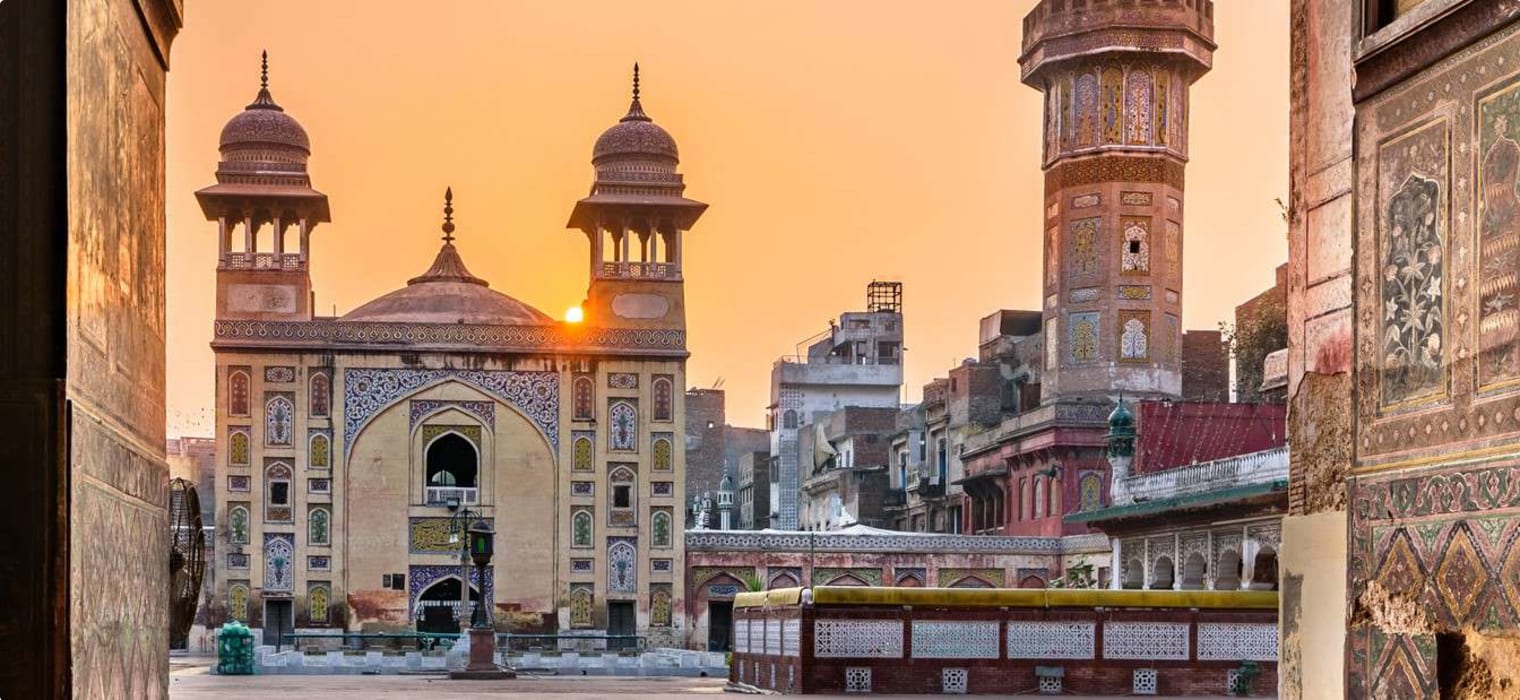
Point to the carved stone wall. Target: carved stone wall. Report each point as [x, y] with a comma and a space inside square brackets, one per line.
[82, 376]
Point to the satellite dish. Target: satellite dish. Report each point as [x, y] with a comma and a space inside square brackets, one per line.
[187, 559]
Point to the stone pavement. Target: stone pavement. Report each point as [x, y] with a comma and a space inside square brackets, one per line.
[190, 679]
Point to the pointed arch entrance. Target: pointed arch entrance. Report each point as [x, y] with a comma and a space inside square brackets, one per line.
[438, 605]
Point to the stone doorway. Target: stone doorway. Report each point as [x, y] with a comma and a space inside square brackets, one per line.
[279, 620]
[720, 625]
[620, 621]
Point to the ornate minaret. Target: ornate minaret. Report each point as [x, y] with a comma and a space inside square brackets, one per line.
[1116, 77]
[261, 196]
[635, 219]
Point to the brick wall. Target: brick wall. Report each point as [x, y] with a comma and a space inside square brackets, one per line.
[835, 644]
[1205, 367]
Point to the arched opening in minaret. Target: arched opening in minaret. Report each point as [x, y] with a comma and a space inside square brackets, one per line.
[452, 462]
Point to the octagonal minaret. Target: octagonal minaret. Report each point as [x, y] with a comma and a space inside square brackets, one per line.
[1115, 76]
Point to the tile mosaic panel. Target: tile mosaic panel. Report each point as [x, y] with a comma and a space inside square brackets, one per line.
[1134, 292]
[1218, 641]
[1135, 199]
[882, 639]
[826, 575]
[319, 394]
[367, 391]
[662, 488]
[1086, 247]
[1051, 640]
[582, 598]
[583, 401]
[1135, 251]
[1134, 335]
[278, 567]
[661, 566]
[421, 578]
[623, 426]
[582, 451]
[1146, 640]
[623, 380]
[434, 535]
[945, 639]
[582, 566]
[582, 488]
[1083, 329]
[622, 565]
[1083, 295]
[319, 563]
[663, 390]
[280, 375]
[279, 420]
[418, 409]
[237, 522]
[660, 604]
[237, 561]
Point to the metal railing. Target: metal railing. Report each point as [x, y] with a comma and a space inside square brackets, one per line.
[440, 495]
[1255, 468]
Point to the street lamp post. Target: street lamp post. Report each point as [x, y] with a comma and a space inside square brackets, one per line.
[481, 545]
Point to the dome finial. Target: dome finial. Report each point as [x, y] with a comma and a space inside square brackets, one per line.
[636, 109]
[264, 70]
[448, 215]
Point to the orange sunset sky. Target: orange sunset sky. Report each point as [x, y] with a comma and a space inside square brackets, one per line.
[836, 140]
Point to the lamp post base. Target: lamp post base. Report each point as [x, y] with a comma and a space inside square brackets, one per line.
[482, 660]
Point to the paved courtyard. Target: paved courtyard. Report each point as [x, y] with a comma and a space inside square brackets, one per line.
[190, 679]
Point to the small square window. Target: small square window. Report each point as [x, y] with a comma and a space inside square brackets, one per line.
[398, 582]
[620, 496]
[1134, 247]
[279, 493]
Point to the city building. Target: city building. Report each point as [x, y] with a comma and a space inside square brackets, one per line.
[353, 450]
[713, 447]
[1399, 547]
[755, 489]
[1194, 504]
[857, 362]
[846, 453]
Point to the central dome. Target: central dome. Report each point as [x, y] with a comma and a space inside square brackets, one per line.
[448, 293]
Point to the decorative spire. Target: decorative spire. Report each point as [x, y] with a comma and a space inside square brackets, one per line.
[636, 110]
[264, 100]
[448, 267]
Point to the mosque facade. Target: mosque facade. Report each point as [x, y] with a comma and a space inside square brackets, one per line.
[354, 450]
